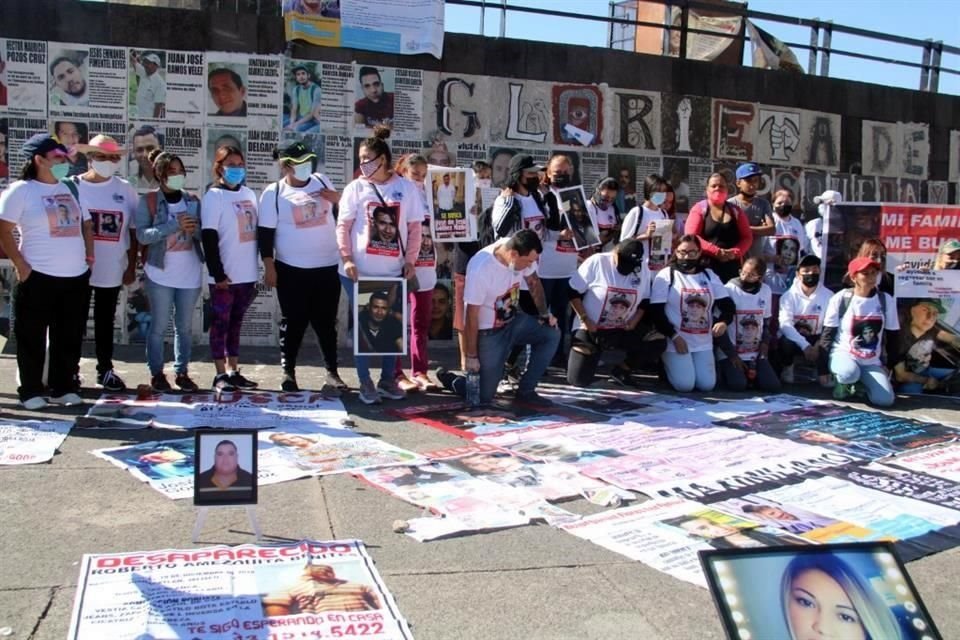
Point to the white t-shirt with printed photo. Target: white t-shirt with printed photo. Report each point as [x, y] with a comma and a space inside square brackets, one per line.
[861, 328]
[182, 268]
[610, 298]
[426, 264]
[659, 248]
[378, 235]
[111, 205]
[752, 309]
[801, 317]
[493, 287]
[306, 231]
[788, 227]
[689, 305]
[233, 215]
[559, 257]
[49, 221]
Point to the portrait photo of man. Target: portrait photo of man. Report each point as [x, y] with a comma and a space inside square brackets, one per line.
[68, 79]
[226, 467]
[228, 95]
[384, 231]
[151, 96]
[378, 330]
[376, 105]
[145, 139]
[304, 95]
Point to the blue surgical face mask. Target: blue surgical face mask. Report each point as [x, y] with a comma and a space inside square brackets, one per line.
[234, 175]
[658, 198]
[60, 171]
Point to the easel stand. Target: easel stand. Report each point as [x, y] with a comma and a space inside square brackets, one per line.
[202, 518]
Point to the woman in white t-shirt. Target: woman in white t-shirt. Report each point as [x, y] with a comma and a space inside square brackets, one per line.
[742, 354]
[168, 225]
[646, 222]
[297, 239]
[854, 327]
[378, 236]
[682, 302]
[52, 265]
[230, 244]
[603, 208]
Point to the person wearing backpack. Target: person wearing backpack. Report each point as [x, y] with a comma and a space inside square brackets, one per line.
[168, 229]
[856, 323]
[52, 264]
[112, 203]
[297, 240]
[641, 222]
[723, 229]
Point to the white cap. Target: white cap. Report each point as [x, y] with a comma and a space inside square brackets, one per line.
[828, 197]
[152, 57]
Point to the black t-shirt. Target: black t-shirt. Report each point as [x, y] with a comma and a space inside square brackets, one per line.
[385, 339]
[916, 351]
[462, 254]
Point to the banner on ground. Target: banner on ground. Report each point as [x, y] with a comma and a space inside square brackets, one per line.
[31, 441]
[320, 589]
[409, 27]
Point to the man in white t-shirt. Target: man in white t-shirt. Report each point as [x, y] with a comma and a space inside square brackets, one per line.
[802, 309]
[151, 87]
[446, 193]
[494, 322]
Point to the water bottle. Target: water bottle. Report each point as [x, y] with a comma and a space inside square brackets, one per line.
[473, 388]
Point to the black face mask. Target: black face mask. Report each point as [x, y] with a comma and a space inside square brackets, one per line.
[601, 202]
[784, 210]
[687, 265]
[750, 287]
[560, 181]
[810, 279]
[628, 263]
[532, 184]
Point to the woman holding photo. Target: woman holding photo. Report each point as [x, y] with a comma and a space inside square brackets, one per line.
[379, 186]
[230, 243]
[641, 222]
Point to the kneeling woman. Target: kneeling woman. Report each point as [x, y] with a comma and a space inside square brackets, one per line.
[742, 353]
[682, 302]
[853, 332]
[610, 293]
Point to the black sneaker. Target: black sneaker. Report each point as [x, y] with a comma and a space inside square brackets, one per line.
[623, 377]
[186, 384]
[239, 382]
[221, 383]
[334, 380]
[531, 397]
[159, 383]
[289, 383]
[110, 381]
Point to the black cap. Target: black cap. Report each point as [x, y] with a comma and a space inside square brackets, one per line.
[523, 162]
[809, 260]
[41, 144]
[296, 153]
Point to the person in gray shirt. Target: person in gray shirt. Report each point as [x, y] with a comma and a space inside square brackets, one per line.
[759, 210]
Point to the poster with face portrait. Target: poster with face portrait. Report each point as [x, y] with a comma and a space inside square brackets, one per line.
[390, 97]
[243, 90]
[576, 216]
[450, 199]
[856, 590]
[748, 327]
[165, 86]
[86, 81]
[380, 317]
[225, 471]
[23, 77]
[695, 307]
[929, 338]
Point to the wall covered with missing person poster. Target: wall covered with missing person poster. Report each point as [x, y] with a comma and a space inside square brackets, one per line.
[190, 102]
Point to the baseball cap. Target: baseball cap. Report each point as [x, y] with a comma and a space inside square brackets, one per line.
[152, 57]
[949, 246]
[102, 144]
[41, 144]
[933, 303]
[828, 197]
[300, 67]
[523, 162]
[748, 170]
[859, 264]
[809, 260]
[297, 153]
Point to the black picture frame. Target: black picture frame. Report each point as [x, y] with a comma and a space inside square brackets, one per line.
[726, 569]
[243, 491]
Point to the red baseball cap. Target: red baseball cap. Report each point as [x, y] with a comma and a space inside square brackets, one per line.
[859, 264]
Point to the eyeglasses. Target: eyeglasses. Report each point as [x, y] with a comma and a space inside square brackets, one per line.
[688, 254]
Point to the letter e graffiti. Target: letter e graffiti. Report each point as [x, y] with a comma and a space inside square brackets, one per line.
[912, 145]
[634, 131]
[513, 124]
[451, 111]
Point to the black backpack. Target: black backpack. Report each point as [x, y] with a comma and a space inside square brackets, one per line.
[487, 234]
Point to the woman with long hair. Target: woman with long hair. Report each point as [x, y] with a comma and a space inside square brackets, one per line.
[230, 243]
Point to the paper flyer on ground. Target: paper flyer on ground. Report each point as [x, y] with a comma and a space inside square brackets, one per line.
[31, 441]
[308, 589]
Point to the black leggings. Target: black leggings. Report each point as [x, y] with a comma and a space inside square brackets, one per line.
[641, 345]
[308, 297]
[104, 312]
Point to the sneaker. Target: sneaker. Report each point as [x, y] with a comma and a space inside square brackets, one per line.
[446, 377]
[289, 382]
[184, 382]
[221, 383]
[622, 376]
[333, 379]
[406, 385]
[34, 404]
[239, 382]
[368, 393]
[786, 376]
[506, 386]
[531, 397]
[67, 400]
[110, 381]
[77, 382]
[159, 383]
[390, 389]
[842, 391]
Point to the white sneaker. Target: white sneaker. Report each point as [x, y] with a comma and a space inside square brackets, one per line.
[67, 400]
[368, 393]
[786, 376]
[34, 404]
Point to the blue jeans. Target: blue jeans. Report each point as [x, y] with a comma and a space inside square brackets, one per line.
[387, 363]
[688, 370]
[182, 301]
[873, 376]
[493, 346]
[917, 387]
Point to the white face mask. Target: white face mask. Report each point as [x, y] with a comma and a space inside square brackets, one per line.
[104, 168]
[370, 167]
[484, 183]
[302, 171]
[176, 182]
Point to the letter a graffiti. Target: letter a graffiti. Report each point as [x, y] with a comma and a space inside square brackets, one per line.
[513, 123]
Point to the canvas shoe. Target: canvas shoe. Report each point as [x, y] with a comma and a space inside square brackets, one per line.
[390, 389]
[184, 382]
[67, 400]
[368, 393]
[289, 382]
[786, 376]
[531, 397]
[34, 404]
[159, 383]
[110, 381]
[239, 382]
[333, 379]
[221, 383]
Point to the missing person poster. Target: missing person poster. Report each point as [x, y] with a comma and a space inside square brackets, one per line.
[576, 216]
[322, 589]
[225, 470]
[450, 198]
[380, 317]
[23, 73]
[86, 81]
[166, 86]
[244, 89]
[928, 353]
[390, 97]
[31, 441]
